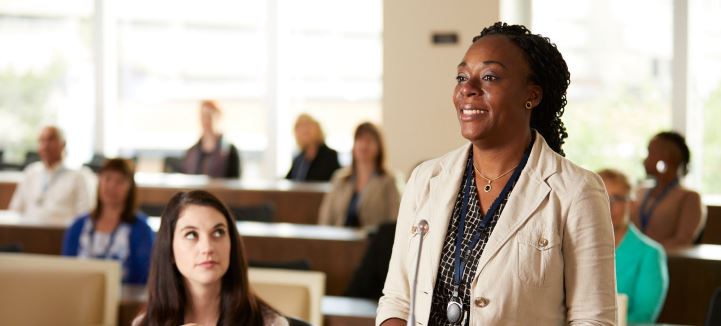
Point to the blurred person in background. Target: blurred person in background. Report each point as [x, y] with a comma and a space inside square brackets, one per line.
[316, 161]
[199, 274]
[212, 155]
[364, 194]
[49, 190]
[641, 271]
[115, 229]
[668, 212]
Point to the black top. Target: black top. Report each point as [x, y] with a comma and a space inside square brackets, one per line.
[320, 169]
[370, 276]
[222, 162]
[352, 219]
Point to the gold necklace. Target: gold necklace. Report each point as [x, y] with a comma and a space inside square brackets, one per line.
[487, 187]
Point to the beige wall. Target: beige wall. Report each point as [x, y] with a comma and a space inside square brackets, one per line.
[418, 77]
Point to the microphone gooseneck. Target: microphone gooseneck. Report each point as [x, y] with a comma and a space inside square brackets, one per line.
[422, 229]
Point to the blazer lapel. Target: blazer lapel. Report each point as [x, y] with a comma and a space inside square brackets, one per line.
[528, 194]
[441, 199]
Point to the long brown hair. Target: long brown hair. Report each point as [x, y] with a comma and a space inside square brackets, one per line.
[123, 167]
[368, 128]
[166, 289]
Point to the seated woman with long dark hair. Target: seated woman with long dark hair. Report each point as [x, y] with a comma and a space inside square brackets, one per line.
[199, 274]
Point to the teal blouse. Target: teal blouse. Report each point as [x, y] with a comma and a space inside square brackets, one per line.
[642, 274]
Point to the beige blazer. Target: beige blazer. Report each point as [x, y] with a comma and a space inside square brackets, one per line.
[549, 260]
[378, 203]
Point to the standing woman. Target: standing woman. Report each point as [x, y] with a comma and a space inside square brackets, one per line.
[518, 235]
[199, 273]
[364, 194]
[316, 161]
[668, 212]
[212, 155]
[115, 229]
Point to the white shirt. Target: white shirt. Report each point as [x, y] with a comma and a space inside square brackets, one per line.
[57, 194]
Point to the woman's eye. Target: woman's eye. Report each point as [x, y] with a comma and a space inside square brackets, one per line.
[218, 233]
[489, 78]
[461, 78]
[191, 235]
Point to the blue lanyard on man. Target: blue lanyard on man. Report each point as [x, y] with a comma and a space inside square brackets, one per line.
[49, 178]
[645, 214]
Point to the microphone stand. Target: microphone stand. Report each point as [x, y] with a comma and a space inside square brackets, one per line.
[423, 230]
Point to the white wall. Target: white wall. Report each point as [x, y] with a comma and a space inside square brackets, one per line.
[418, 77]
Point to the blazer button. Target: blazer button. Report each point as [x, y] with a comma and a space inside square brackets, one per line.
[480, 302]
[542, 242]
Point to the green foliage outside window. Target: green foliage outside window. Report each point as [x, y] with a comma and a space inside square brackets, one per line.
[23, 107]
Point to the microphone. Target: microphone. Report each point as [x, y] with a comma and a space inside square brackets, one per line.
[422, 228]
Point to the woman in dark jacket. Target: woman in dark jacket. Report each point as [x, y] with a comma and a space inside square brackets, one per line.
[316, 161]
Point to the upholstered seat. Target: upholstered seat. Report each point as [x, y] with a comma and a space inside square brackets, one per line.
[52, 290]
[294, 293]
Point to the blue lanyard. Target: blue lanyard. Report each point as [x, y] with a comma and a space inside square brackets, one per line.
[645, 214]
[109, 245]
[458, 266]
[49, 180]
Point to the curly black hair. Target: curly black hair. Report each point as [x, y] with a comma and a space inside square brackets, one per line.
[549, 71]
[678, 141]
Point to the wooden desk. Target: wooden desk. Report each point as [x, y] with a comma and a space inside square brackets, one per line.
[294, 202]
[34, 237]
[337, 311]
[712, 231]
[8, 181]
[332, 250]
[694, 274]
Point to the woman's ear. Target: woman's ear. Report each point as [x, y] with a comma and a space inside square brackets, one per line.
[535, 95]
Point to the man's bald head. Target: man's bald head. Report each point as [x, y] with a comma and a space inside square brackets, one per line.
[51, 144]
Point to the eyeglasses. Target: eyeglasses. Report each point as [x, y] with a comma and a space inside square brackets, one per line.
[618, 199]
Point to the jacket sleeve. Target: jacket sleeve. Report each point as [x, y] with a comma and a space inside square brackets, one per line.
[17, 203]
[396, 292]
[588, 251]
[651, 286]
[325, 212]
[141, 243]
[333, 164]
[71, 239]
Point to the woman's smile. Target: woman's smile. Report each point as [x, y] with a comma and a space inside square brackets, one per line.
[469, 113]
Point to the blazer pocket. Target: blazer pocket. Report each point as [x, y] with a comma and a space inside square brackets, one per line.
[537, 257]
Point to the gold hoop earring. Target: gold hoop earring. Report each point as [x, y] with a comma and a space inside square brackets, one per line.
[529, 105]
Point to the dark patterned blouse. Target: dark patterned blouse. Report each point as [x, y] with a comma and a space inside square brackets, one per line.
[443, 291]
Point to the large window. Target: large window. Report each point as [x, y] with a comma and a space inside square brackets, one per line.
[170, 60]
[637, 68]
[329, 65]
[46, 75]
[264, 62]
[619, 54]
[705, 93]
